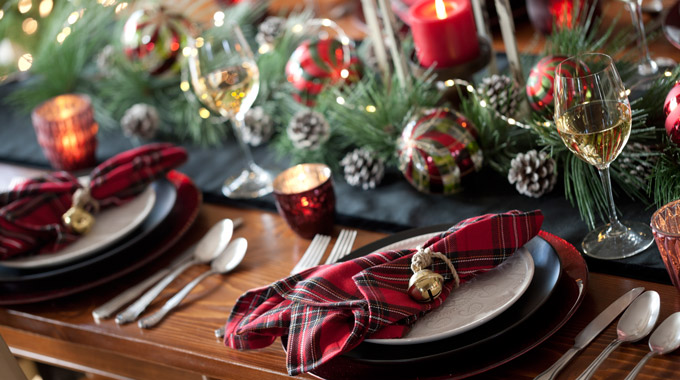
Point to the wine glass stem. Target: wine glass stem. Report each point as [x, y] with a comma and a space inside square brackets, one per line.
[237, 124]
[646, 66]
[615, 227]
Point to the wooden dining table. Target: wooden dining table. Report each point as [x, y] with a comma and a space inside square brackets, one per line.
[63, 333]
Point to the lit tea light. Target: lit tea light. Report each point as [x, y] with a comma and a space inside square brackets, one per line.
[67, 131]
[305, 199]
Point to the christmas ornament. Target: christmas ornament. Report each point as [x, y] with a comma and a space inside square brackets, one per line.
[362, 168]
[546, 14]
[502, 93]
[104, 60]
[642, 168]
[540, 84]
[269, 30]
[258, 126]
[533, 173]
[153, 38]
[308, 129]
[672, 112]
[437, 149]
[140, 121]
[318, 63]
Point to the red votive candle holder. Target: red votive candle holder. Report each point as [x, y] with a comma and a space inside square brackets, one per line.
[305, 199]
[67, 131]
[666, 229]
[444, 32]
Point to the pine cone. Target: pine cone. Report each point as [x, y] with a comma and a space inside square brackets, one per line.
[308, 129]
[141, 121]
[640, 167]
[104, 60]
[258, 126]
[502, 93]
[533, 173]
[362, 168]
[269, 30]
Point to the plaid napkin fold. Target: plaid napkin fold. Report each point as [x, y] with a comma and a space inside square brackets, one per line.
[330, 309]
[30, 214]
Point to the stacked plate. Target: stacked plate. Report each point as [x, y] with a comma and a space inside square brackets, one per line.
[487, 321]
[122, 239]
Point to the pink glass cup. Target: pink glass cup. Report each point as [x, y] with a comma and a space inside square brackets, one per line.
[305, 199]
[666, 229]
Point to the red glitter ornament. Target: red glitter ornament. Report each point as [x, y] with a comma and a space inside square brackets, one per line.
[672, 112]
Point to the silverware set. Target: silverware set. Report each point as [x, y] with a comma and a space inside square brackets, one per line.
[214, 244]
[638, 320]
[314, 253]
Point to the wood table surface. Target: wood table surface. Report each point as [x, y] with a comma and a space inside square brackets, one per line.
[62, 331]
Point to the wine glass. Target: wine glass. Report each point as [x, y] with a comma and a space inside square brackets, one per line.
[593, 118]
[647, 68]
[226, 79]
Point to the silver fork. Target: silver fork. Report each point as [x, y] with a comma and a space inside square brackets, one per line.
[313, 254]
[343, 246]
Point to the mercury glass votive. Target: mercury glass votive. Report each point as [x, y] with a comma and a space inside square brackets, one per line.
[305, 199]
[666, 229]
[67, 131]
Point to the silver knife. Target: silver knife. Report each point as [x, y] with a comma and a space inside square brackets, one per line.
[593, 329]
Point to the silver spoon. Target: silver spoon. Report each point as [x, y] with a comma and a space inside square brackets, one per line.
[635, 323]
[664, 339]
[224, 263]
[211, 244]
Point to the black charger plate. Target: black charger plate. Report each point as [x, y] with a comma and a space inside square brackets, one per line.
[115, 263]
[547, 270]
[166, 196]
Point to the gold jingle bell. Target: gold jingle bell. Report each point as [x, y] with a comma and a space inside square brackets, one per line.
[425, 285]
[78, 220]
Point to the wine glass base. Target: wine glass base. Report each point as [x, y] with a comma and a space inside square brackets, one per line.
[253, 182]
[600, 245]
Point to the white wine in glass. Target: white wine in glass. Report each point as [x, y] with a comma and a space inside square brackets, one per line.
[225, 78]
[593, 118]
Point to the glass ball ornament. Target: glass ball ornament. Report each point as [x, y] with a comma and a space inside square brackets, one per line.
[153, 39]
[437, 149]
[318, 63]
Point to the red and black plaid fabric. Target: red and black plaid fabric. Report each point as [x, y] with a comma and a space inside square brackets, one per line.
[330, 309]
[30, 214]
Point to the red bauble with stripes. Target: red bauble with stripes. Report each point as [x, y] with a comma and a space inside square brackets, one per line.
[672, 112]
[540, 85]
[318, 63]
[439, 147]
[153, 39]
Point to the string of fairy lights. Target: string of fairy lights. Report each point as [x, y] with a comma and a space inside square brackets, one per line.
[30, 24]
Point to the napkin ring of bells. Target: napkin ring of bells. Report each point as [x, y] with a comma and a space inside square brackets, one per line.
[78, 218]
[426, 285]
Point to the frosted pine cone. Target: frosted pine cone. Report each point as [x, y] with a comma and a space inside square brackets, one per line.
[502, 93]
[363, 169]
[141, 121]
[269, 30]
[104, 60]
[308, 129]
[258, 126]
[533, 173]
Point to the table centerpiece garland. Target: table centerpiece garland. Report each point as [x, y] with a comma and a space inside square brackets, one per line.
[352, 118]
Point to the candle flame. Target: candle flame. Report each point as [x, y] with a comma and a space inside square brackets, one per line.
[440, 8]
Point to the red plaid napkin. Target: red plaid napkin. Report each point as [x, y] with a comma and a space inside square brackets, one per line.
[330, 309]
[30, 214]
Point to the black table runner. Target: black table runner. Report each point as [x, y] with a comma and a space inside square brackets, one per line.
[392, 207]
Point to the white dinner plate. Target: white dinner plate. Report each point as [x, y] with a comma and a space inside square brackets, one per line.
[473, 303]
[110, 225]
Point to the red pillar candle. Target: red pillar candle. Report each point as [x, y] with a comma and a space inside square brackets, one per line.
[444, 32]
